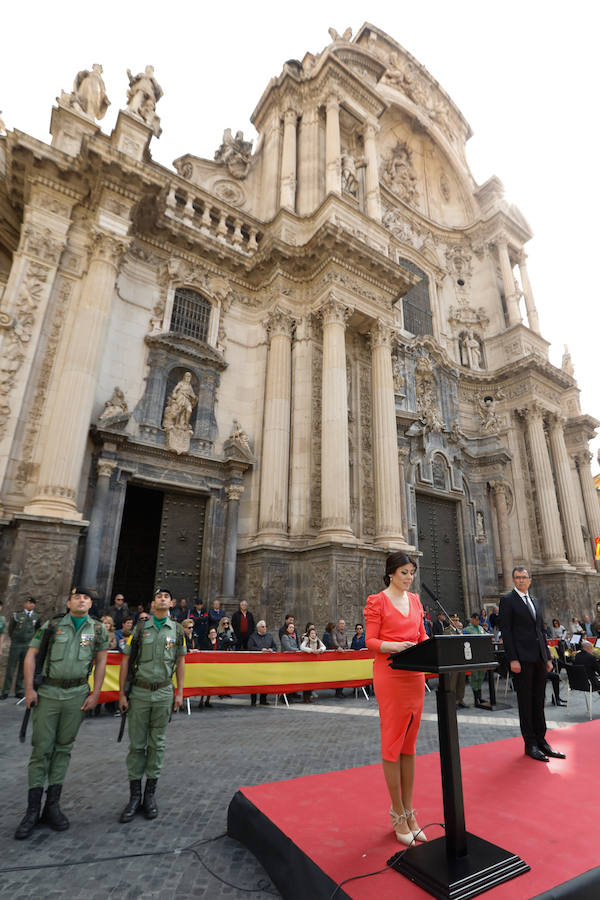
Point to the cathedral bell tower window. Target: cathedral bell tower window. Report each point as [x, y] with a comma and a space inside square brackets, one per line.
[190, 315]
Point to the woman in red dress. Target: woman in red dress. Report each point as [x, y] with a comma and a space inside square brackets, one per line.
[394, 622]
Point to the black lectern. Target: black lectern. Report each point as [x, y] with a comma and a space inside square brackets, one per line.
[460, 864]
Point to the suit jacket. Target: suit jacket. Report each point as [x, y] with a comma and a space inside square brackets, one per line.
[523, 637]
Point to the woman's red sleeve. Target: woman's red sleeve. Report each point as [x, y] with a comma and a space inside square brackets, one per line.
[373, 614]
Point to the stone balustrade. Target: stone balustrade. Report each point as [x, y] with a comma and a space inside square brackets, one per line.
[198, 209]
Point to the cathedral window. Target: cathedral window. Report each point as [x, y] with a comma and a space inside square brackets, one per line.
[190, 315]
[416, 306]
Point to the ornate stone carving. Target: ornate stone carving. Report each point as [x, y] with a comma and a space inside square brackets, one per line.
[336, 36]
[36, 242]
[115, 406]
[352, 284]
[398, 374]
[406, 77]
[380, 335]
[333, 310]
[230, 192]
[486, 407]
[19, 333]
[406, 231]
[239, 437]
[349, 179]
[279, 323]
[458, 263]
[89, 94]
[467, 315]
[143, 94]
[427, 405]
[481, 536]
[445, 187]
[106, 467]
[234, 491]
[178, 411]
[108, 248]
[234, 153]
[396, 172]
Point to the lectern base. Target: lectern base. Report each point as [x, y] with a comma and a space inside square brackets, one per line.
[484, 867]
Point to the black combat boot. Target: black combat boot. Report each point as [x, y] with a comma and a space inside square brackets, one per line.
[135, 800]
[478, 700]
[32, 816]
[150, 807]
[53, 814]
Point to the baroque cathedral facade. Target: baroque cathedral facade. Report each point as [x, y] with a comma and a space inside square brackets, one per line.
[250, 377]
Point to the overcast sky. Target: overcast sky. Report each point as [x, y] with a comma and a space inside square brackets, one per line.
[524, 74]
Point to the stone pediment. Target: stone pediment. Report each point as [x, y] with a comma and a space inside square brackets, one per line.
[188, 348]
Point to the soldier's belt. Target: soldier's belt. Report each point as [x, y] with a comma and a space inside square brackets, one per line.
[152, 685]
[66, 683]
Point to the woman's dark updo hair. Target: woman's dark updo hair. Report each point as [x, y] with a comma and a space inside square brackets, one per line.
[395, 561]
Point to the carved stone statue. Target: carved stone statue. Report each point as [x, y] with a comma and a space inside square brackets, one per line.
[397, 173]
[116, 406]
[89, 94]
[480, 526]
[178, 412]
[336, 36]
[567, 363]
[398, 376]
[235, 153]
[142, 96]
[239, 435]
[470, 351]
[2, 125]
[490, 423]
[427, 407]
[349, 179]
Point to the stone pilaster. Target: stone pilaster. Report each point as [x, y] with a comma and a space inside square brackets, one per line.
[564, 487]
[403, 454]
[273, 510]
[530, 306]
[335, 475]
[89, 575]
[233, 492]
[388, 516]
[333, 175]
[60, 468]
[552, 543]
[590, 498]
[270, 168]
[508, 282]
[498, 489]
[372, 197]
[299, 515]
[288, 160]
[308, 195]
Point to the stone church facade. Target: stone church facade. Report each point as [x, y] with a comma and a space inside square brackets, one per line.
[252, 376]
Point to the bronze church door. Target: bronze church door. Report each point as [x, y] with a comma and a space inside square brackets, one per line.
[440, 566]
[179, 557]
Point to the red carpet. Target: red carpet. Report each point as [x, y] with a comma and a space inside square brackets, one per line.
[539, 811]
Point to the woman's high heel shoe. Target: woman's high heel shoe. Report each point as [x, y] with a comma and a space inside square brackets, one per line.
[419, 834]
[407, 837]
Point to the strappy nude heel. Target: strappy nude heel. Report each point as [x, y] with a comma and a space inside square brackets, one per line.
[418, 832]
[407, 837]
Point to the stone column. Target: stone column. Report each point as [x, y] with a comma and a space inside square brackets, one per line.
[506, 557]
[69, 421]
[552, 542]
[388, 515]
[299, 515]
[270, 191]
[308, 194]
[93, 540]
[288, 160]
[234, 492]
[508, 282]
[403, 454]
[590, 498]
[530, 306]
[335, 474]
[373, 202]
[274, 469]
[333, 152]
[564, 486]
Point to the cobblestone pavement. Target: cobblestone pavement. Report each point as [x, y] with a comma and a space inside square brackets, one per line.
[209, 754]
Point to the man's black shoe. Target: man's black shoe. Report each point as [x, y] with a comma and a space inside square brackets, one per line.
[19, 696]
[461, 705]
[547, 749]
[3, 696]
[535, 753]
[561, 703]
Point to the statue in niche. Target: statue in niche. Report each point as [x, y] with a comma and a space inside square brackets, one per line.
[481, 535]
[470, 351]
[177, 415]
[116, 406]
[398, 376]
[397, 173]
[567, 363]
[142, 96]
[490, 423]
[89, 93]
[234, 153]
[349, 179]
[426, 401]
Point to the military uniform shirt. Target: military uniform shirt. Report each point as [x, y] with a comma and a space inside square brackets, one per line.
[23, 626]
[157, 655]
[71, 654]
[2, 625]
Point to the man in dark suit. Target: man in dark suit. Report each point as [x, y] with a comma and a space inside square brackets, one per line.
[529, 659]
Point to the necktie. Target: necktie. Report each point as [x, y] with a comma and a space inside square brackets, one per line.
[529, 604]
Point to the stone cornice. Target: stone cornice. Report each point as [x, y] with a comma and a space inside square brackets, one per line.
[197, 351]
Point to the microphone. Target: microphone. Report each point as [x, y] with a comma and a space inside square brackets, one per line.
[436, 600]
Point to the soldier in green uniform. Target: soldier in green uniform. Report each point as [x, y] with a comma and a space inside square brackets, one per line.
[2, 627]
[22, 626]
[161, 653]
[60, 703]
[476, 678]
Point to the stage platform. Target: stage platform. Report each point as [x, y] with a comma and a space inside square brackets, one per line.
[312, 833]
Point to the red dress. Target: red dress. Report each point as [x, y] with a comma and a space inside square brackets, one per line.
[399, 694]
